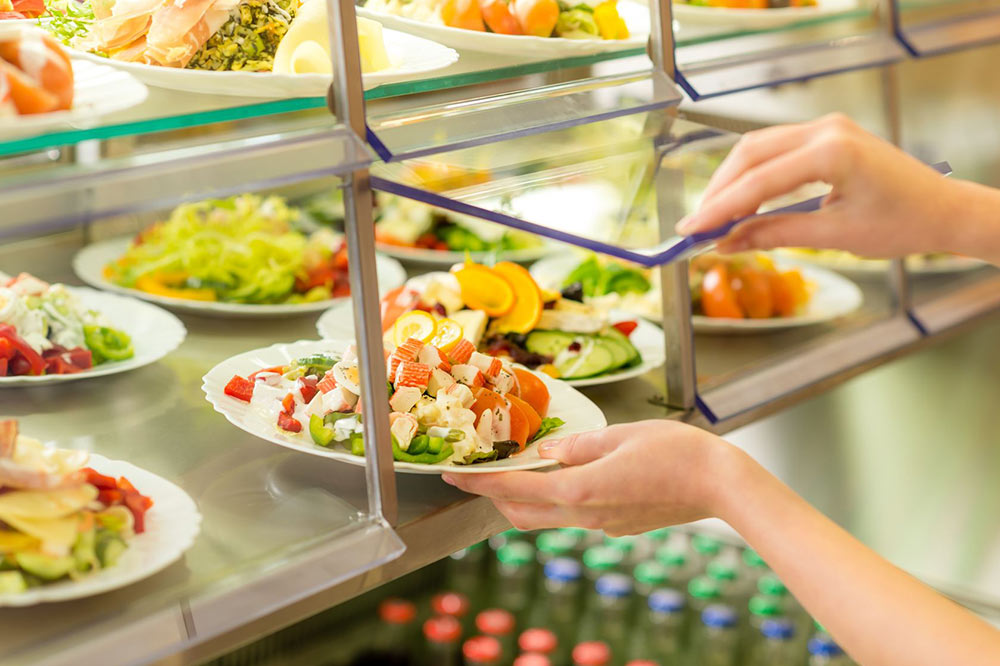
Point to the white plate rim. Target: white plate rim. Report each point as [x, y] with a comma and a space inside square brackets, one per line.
[860, 267]
[174, 514]
[89, 262]
[759, 18]
[214, 381]
[447, 258]
[170, 334]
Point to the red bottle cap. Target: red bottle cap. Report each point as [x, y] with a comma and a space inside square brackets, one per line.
[495, 622]
[483, 649]
[450, 603]
[542, 641]
[397, 611]
[532, 659]
[591, 653]
[443, 629]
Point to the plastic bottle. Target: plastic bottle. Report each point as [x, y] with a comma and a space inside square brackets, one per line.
[600, 560]
[704, 549]
[632, 548]
[771, 585]
[608, 620]
[754, 565]
[725, 572]
[775, 645]
[481, 651]
[678, 563]
[591, 653]
[659, 633]
[702, 593]
[442, 641]
[582, 537]
[515, 577]
[647, 576]
[499, 624]
[395, 640]
[716, 641]
[824, 651]
[760, 608]
[538, 641]
[455, 605]
[467, 569]
[555, 543]
[560, 605]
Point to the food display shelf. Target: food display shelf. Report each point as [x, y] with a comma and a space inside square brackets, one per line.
[932, 28]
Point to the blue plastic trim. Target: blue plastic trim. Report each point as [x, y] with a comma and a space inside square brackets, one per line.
[917, 324]
[705, 410]
[911, 48]
[376, 143]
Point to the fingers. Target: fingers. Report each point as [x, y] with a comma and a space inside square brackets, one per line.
[816, 229]
[562, 486]
[526, 516]
[582, 447]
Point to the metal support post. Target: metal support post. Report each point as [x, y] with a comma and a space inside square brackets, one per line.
[347, 103]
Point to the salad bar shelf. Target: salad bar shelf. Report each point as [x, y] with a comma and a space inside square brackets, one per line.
[928, 29]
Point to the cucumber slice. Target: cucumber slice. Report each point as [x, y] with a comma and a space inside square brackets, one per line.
[12, 582]
[595, 358]
[620, 352]
[548, 343]
[616, 335]
[45, 567]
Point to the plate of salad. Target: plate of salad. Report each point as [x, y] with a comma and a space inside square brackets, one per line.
[417, 233]
[757, 14]
[53, 333]
[451, 408]
[935, 263]
[242, 256]
[530, 28]
[503, 312]
[74, 524]
[738, 293]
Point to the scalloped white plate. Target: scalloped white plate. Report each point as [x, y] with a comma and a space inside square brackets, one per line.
[636, 18]
[860, 268]
[445, 259]
[412, 57]
[758, 19]
[155, 333]
[172, 525]
[337, 323]
[89, 265]
[579, 413]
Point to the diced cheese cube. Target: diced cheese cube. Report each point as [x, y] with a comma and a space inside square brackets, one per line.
[469, 375]
[405, 398]
[439, 380]
[473, 323]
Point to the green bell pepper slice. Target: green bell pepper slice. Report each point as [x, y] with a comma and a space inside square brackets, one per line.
[426, 458]
[320, 434]
[108, 344]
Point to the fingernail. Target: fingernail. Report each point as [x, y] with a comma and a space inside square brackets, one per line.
[549, 447]
[684, 224]
[447, 479]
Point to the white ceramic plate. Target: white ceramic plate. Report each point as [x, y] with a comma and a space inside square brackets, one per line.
[172, 525]
[337, 323]
[89, 265]
[412, 57]
[155, 333]
[857, 267]
[636, 18]
[758, 19]
[833, 296]
[579, 413]
[444, 259]
[98, 90]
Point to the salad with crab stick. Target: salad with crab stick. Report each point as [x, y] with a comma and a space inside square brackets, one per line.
[59, 518]
[45, 330]
[449, 403]
[502, 312]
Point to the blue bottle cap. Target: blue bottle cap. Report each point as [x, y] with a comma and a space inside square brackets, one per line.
[824, 646]
[614, 585]
[718, 616]
[563, 570]
[780, 629]
[666, 600]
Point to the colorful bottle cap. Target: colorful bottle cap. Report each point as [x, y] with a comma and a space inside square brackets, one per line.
[554, 542]
[651, 572]
[495, 622]
[516, 554]
[671, 557]
[537, 640]
[482, 649]
[576, 532]
[765, 606]
[721, 570]
[771, 585]
[752, 559]
[450, 603]
[824, 646]
[626, 544]
[443, 629]
[397, 611]
[591, 653]
[563, 570]
[602, 558]
[703, 587]
[532, 659]
[706, 545]
[614, 585]
[660, 535]
[718, 616]
[779, 629]
[666, 600]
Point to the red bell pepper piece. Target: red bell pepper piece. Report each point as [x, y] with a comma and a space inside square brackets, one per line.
[240, 388]
[288, 405]
[280, 369]
[626, 327]
[81, 358]
[110, 496]
[308, 388]
[134, 503]
[36, 364]
[3, 367]
[125, 485]
[286, 422]
[103, 482]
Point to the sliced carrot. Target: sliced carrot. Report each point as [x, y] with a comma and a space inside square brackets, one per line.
[486, 400]
[520, 428]
[533, 391]
[534, 420]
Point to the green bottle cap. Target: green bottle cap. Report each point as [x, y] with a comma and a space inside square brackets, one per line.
[706, 545]
[703, 587]
[554, 542]
[623, 543]
[651, 572]
[577, 532]
[752, 559]
[671, 557]
[516, 554]
[771, 585]
[660, 535]
[819, 627]
[721, 570]
[602, 558]
[765, 606]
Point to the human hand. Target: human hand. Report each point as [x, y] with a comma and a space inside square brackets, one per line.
[625, 479]
[884, 203]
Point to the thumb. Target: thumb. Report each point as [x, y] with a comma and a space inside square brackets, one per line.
[581, 448]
